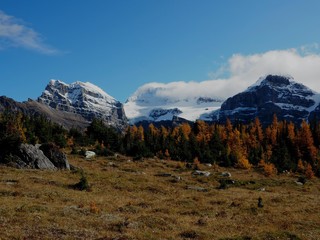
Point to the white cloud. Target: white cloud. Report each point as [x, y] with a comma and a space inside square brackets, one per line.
[14, 33]
[303, 64]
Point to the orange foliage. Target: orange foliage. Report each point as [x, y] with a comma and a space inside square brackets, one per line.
[269, 169]
[300, 166]
[305, 140]
[309, 172]
[93, 208]
[291, 132]
[243, 163]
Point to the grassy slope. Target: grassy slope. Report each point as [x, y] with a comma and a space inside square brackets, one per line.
[127, 201]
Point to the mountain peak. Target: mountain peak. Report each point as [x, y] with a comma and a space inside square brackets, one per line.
[54, 82]
[270, 95]
[272, 81]
[85, 99]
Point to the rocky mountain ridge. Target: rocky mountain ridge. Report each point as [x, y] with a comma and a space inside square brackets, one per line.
[76, 104]
[280, 95]
[71, 105]
[84, 99]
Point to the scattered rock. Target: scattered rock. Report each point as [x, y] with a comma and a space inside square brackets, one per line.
[90, 154]
[176, 178]
[262, 189]
[112, 164]
[224, 183]
[226, 174]
[201, 173]
[299, 183]
[196, 188]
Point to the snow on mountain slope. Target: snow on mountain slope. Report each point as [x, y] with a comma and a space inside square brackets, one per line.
[272, 94]
[158, 102]
[85, 99]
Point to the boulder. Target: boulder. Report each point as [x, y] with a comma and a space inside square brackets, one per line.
[226, 174]
[90, 154]
[55, 155]
[33, 157]
[175, 178]
[201, 173]
[197, 188]
[15, 162]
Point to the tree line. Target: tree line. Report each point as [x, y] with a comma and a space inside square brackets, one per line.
[281, 146]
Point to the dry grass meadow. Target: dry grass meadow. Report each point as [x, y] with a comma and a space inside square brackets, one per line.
[140, 200]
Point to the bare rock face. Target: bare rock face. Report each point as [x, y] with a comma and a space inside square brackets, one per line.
[86, 100]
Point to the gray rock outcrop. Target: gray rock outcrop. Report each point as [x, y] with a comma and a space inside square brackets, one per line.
[57, 157]
[46, 156]
[30, 156]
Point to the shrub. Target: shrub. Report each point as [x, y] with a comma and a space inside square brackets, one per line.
[223, 184]
[94, 208]
[243, 163]
[309, 172]
[269, 169]
[83, 184]
[196, 164]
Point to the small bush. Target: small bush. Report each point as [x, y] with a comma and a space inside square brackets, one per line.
[83, 184]
[94, 208]
[243, 163]
[269, 169]
[190, 234]
[74, 151]
[196, 164]
[309, 172]
[223, 184]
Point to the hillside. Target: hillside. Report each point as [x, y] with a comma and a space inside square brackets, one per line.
[140, 200]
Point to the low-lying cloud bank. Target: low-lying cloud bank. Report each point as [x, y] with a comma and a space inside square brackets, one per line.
[302, 64]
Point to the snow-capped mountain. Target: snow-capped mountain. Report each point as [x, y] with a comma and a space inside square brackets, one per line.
[155, 102]
[270, 95]
[84, 99]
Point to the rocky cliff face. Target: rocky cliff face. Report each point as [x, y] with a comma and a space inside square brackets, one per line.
[271, 95]
[86, 100]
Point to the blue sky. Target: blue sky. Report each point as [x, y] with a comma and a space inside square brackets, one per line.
[120, 45]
